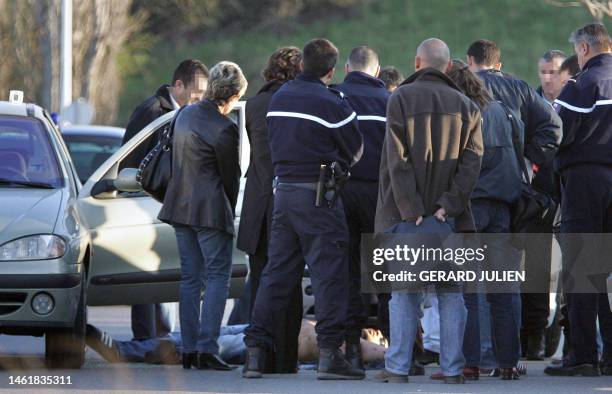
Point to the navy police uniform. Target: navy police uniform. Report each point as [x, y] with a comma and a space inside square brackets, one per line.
[368, 97]
[584, 161]
[309, 124]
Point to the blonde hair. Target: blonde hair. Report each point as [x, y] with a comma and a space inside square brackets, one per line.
[225, 80]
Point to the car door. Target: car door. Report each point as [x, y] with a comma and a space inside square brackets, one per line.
[135, 258]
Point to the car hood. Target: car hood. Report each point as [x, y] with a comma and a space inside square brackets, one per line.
[27, 211]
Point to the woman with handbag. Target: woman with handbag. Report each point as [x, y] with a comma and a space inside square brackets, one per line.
[199, 203]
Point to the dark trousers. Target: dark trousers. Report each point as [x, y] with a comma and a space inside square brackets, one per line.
[494, 217]
[536, 306]
[151, 321]
[359, 200]
[287, 322]
[302, 233]
[586, 207]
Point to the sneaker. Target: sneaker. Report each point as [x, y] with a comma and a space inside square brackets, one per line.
[572, 370]
[385, 376]
[103, 344]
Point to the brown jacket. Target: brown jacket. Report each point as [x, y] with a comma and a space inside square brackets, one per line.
[432, 152]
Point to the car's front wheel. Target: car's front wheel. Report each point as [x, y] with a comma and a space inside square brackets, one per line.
[65, 347]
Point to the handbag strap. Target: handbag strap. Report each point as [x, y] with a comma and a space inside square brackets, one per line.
[170, 131]
[516, 142]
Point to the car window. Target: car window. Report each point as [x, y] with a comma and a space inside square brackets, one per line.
[88, 152]
[26, 154]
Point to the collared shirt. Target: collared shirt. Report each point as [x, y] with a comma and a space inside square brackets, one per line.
[172, 100]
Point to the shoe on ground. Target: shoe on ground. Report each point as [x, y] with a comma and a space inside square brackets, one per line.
[509, 373]
[469, 373]
[572, 370]
[333, 366]
[385, 376]
[457, 379]
[254, 363]
[212, 361]
[416, 369]
[103, 344]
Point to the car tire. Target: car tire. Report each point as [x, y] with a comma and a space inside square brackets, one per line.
[65, 347]
[553, 335]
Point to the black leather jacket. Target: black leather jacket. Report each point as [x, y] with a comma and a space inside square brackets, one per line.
[205, 170]
[542, 124]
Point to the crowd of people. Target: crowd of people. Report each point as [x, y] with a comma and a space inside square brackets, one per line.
[437, 149]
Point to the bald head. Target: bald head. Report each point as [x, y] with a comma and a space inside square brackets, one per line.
[432, 53]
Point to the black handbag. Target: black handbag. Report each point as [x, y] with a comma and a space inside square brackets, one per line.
[533, 205]
[155, 170]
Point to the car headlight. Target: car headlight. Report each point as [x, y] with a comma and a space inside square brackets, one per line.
[34, 247]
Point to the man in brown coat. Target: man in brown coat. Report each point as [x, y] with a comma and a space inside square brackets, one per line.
[430, 165]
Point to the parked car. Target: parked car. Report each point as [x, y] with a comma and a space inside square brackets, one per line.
[65, 245]
[90, 146]
[45, 244]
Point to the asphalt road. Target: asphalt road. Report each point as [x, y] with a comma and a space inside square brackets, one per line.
[23, 356]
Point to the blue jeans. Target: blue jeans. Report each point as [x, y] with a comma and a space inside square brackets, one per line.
[505, 308]
[404, 315]
[231, 344]
[206, 263]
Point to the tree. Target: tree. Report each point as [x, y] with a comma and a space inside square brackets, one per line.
[29, 48]
[597, 8]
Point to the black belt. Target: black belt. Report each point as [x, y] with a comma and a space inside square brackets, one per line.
[300, 185]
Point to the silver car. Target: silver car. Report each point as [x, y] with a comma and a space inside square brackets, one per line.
[64, 245]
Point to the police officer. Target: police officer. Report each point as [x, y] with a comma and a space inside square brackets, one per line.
[309, 125]
[584, 162]
[368, 97]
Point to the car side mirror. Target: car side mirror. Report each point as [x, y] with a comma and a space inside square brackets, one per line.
[126, 181]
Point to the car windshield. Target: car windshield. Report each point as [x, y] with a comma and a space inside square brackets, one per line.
[26, 155]
[90, 151]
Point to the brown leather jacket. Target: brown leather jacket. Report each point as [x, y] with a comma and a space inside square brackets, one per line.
[432, 152]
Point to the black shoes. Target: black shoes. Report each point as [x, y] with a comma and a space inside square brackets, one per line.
[572, 370]
[254, 363]
[103, 344]
[190, 360]
[428, 357]
[205, 361]
[212, 361]
[333, 366]
[353, 355]
[509, 373]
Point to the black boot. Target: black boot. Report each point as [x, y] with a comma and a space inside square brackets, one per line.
[190, 360]
[333, 366]
[254, 363]
[212, 361]
[535, 345]
[353, 355]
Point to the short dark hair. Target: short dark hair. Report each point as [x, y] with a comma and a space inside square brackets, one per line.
[570, 65]
[595, 35]
[283, 64]
[553, 54]
[485, 52]
[390, 76]
[319, 57]
[187, 69]
[362, 58]
[469, 83]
